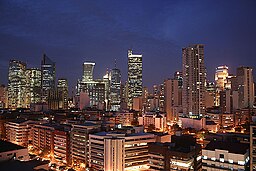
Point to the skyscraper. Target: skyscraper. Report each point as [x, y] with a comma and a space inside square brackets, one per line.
[17, 85]
[33, 85]
[194, 80]
[48, 76]
[62, 89]
[115, 89]
[88, 68]
[221, 79]
[134, 77]
[245, 87]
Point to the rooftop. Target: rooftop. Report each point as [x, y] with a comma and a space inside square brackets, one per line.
[7, 146]
[232, 147]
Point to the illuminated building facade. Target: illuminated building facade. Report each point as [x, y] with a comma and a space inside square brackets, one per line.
[62, 88]
[134, 77]
[17, 87]
[252, 147]
[33, 85]
[171, 99]
[181, 154]
[80, 142]
[48, 76]
[225, 156]
[221, 80]
[194, 80]
[17, 132]
[119, 151]
[3, 96]
[245, 87]
[95, 90]
[42, 137]
[115, 89]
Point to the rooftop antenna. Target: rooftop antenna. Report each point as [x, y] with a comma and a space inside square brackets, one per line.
[115, 63]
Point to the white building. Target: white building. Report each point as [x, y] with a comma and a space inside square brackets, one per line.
[119, 151]
[158, 120]
[225, 156]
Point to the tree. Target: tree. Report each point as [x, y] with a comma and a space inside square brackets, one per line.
[151, 128]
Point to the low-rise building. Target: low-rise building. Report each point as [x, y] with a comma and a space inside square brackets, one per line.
[224, 155]
[183, 153]
[119, 151]
[158, 120]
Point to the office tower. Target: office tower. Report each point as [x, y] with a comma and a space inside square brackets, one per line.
[54, 99]
[221, 76]
[194, 80]
[17, 85]
[3, 96]
[245, 87]
[92, 90]
[62, 89]
[88, 68]
[115, 89]
[134, 77]
[221, 80]
[33, 85]
[171, 99]
[48, 76]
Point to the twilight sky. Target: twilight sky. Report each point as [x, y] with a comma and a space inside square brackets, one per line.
[71, 32]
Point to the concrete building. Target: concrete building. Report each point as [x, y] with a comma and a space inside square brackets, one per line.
[10, 151]
[43, 136]
[17, 87]
[17, 132]
[194, 81]
[134, 77]
[225, 156]
[62, 147]
[252, 147]
[181, 154]
[115, 89]
[172, 99]
[245, 87]
[119, 151]
[157, 120]
[3, 96]
[80, 143]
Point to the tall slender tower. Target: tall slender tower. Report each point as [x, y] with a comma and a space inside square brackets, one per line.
[194, 80]
[245, 87]
[62, 88]
[17, 87]
[115, 89]
[34, 85]
[48, 76]
[134, 77]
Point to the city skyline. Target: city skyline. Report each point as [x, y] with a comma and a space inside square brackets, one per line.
[159, 39]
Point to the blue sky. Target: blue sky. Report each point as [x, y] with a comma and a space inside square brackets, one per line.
[71, 32]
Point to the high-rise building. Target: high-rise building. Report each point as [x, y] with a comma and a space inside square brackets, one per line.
[95, 91]
[33, 85]
[115, 89]
[62, 89]
[245, 87]
[48, 76]
[171, 99]
[252, 147]
[134, 77]
[88, 68]
[3, 96]
[17, 88]
[221, 80]
[221, 76]
[194, 80]
[178, 76]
